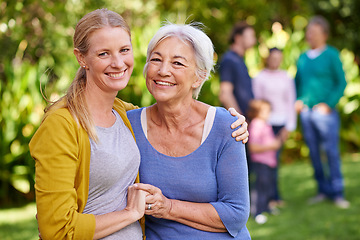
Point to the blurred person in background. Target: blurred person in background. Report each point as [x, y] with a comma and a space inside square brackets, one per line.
[263, 146]
[235, 86]
[235, 82]
[278, 88]
[320, 83]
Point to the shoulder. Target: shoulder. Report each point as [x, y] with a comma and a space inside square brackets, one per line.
[57, 125]
[284, 75]
[302, 60]
[134, 116]
[122, 106]
[303, 56]
[229, 57]
[332, 51]
[226, 59]
[134, 112]
[221, 131]
[223, 114]
[223, 120]
[226, 56]
[59, 121]
[261, 75]
[60, 115]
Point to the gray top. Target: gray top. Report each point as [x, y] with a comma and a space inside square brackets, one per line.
[114, 165]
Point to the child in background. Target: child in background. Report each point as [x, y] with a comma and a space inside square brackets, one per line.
[263, 145]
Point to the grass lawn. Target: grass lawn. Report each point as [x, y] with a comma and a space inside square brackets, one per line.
[19, 223]
[297, 219]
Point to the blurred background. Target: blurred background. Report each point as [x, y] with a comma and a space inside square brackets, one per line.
[37, 52]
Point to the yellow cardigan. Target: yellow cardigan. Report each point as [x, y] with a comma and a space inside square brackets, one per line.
[61, 150]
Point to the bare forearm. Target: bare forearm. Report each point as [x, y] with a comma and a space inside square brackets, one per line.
[202, 216]
[109, 223]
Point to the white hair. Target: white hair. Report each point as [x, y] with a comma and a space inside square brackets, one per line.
[199, 41]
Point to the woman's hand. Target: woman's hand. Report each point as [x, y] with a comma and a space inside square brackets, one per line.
[157, 205]
[136, 202]
[202, 216]
[242, 133]
[111, 222]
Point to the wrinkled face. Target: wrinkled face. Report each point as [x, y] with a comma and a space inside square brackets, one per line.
[274, 60]
[109, 61]
[171, 72]
[315, 36]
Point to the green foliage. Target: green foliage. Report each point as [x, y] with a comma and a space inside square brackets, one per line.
[36, 43]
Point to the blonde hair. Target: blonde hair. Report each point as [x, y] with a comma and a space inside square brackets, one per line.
[75, 99]
[199, 41]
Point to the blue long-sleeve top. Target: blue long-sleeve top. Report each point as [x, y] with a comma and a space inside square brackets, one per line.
[214, 173]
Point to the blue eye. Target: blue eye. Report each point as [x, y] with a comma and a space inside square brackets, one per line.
[125, 50]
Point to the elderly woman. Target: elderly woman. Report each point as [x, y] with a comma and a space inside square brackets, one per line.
[194, 171]
[86, 158]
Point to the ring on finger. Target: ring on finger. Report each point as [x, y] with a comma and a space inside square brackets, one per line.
[149, 206]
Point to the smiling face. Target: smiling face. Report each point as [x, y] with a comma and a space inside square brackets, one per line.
[171, 72]
[109, 61]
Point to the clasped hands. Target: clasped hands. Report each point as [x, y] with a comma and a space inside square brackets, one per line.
[149, 200]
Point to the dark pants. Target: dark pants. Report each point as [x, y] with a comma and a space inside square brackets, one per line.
[264, 186]
[321, 132]
[276, 195]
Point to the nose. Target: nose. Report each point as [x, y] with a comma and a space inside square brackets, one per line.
[164, 69]
[117, 61]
